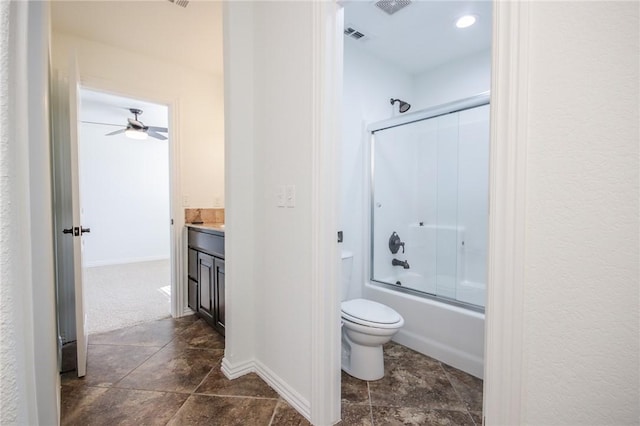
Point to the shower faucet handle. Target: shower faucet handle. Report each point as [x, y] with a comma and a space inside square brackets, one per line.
[395, 243]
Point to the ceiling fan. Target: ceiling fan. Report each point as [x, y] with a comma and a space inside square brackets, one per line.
[136, 129]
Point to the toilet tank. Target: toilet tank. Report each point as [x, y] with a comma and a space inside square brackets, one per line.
[347, 267]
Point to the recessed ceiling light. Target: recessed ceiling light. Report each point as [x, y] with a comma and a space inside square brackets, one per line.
[466, 21]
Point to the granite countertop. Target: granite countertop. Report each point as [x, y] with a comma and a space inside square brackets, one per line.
[214, 226]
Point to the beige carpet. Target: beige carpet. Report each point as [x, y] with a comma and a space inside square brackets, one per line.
[120, 296]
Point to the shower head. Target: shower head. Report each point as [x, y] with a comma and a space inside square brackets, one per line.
[404, 106]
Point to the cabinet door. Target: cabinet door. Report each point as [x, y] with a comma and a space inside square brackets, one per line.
[219, 295]
[205, 283]
[193, 294]
[192, 271]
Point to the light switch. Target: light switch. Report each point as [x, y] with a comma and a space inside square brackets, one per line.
[185, 201]
[280, 196]
[291, 196]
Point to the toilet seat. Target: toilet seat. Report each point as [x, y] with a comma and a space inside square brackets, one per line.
[370, 314]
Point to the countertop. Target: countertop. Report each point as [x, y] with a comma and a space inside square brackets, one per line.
[207, 226]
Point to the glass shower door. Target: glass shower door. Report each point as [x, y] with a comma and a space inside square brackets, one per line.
[414, 196]
[429, 205]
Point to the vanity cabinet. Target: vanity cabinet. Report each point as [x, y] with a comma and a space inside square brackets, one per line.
[206, 275]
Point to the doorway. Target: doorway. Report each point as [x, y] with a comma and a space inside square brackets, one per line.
[403, 65]
[124, 178]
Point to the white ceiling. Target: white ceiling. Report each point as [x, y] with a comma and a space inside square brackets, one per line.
[423, 35]
[416, 38]
[101, 107]
[190, 36]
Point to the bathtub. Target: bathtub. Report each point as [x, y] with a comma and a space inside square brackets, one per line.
[448, 333]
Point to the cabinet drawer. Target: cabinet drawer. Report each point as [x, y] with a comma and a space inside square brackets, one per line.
[208, 243]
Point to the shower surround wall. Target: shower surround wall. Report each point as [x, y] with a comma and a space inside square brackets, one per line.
[368, 84]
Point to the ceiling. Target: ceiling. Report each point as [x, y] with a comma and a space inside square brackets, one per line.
[422, 35]
[419, 37]
[155, 28]
[101, 107]
[190, 36]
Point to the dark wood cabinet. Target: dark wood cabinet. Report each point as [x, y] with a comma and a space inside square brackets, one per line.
[192, 279]
[218, 266]
[206, 281]
[206, 291]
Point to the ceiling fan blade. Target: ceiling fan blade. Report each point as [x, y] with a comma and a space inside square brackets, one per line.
[156, 135]
[116, 132]
[102, 124]
[158, 129]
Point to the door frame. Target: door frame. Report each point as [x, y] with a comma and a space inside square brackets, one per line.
[178, 288]
[504, 378]
[504, 375]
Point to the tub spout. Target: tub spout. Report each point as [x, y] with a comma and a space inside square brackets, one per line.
[404, 264]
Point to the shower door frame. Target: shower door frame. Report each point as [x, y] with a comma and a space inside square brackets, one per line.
[475, 101]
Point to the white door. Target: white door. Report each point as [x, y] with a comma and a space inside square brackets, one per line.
[69, 228]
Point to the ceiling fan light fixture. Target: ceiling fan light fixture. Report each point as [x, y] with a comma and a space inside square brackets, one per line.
[136, 134]
[466, 21]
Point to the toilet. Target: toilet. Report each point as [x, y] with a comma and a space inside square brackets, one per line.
[366, 326]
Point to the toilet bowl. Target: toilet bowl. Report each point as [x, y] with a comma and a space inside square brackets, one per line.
[366, 326]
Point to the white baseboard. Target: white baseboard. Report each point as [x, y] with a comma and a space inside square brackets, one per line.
[233, 371]
[444, 353]
[297, 401]
[111, 262]
[290, 395]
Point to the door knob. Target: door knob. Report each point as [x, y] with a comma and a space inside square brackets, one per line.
[67, 231]
[85, 230]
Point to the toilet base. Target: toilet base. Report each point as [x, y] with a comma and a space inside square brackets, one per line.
[362, 362]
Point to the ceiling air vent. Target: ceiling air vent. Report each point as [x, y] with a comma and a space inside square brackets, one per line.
[181, 3]
[392, 6]
[353, 33]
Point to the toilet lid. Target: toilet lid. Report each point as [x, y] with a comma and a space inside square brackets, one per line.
[368, 311]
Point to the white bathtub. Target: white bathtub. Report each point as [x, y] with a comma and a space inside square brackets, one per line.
[445, 332]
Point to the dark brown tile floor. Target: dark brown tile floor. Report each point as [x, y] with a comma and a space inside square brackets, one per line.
[167, 372]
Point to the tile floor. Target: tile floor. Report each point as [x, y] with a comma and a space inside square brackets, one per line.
[167, 372]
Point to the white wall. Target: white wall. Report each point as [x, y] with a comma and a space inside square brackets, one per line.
[240, 227]
[581, 300]
[283, 156]
[369, 84]
[198, 96]
[272, 68]
[452, 81]
[124, 189]
[29, 379]
[284, 321]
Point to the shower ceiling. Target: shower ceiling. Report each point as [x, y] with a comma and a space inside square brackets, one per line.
[422, 35]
